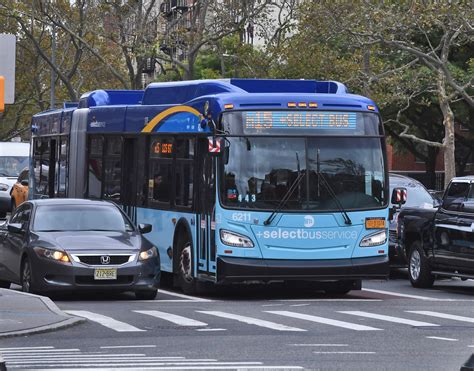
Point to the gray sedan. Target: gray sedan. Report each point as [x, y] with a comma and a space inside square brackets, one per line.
[69, 245]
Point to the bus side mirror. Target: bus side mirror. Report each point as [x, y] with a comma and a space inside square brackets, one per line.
[225, 155]
[399, 196]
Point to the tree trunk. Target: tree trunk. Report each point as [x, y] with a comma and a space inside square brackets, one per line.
[448, 122]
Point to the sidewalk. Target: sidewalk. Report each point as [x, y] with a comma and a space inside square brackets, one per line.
[25, 314]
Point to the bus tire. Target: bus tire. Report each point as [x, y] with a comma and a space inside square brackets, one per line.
[419, 270]
[186, 266]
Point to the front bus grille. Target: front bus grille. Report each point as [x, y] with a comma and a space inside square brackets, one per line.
[96, 259]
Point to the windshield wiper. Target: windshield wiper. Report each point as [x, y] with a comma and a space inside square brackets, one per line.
[285, 198]
[347, 220]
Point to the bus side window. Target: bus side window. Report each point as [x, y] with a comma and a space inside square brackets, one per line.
[184, 172]
[160, 183]
[96, 146]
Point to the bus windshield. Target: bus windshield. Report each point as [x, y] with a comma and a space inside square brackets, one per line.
[11, 166]
[260, 171]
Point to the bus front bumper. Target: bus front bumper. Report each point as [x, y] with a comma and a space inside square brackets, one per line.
[232, 269]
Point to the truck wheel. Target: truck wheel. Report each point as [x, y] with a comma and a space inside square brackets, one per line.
[419, 270]
[185, 266]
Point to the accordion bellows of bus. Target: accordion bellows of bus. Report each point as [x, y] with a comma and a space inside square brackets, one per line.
[241, 179]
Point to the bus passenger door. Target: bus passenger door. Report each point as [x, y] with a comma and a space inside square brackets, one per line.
[130, 188]
[206, 214]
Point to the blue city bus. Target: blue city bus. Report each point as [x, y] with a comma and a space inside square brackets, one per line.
[242, 180]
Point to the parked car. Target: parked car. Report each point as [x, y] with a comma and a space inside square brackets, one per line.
[54, 245]
[19, 192]
[417, 196]
[440, 241]
[13, 159]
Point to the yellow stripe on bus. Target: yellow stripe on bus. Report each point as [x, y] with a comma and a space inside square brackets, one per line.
[168, 112]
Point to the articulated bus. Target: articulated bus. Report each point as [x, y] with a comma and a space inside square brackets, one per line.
[242, 179]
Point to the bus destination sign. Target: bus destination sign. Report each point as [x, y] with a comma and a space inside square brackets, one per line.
[300, 120]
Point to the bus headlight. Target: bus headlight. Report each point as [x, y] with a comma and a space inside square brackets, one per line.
[235, 239]
[374, 239]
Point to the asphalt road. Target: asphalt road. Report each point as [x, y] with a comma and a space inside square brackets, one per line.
[387, 326]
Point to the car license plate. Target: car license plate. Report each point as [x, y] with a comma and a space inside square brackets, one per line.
[105, 274]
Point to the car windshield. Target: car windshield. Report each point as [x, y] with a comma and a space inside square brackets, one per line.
[60, 218]
[261, 171]
[12, 165]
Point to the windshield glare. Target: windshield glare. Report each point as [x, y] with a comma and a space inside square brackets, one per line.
[260, 171]
[80, 218]
[12, 165]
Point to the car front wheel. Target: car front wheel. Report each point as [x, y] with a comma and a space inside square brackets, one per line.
[419, 270]
[26, 278]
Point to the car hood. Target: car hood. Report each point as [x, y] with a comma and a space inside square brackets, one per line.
[89, 240]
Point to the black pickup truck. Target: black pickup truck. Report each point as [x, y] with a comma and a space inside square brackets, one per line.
[440, 241]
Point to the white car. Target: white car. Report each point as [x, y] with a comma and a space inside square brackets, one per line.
[14, 157]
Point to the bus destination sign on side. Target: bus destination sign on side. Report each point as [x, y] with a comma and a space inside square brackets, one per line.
[300, 120]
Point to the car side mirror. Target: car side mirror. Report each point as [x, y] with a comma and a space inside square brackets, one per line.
[24, 183]
[15, 228]
[399, 196]
[145, 228]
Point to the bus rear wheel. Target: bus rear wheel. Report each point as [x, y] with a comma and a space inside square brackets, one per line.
[185, 267]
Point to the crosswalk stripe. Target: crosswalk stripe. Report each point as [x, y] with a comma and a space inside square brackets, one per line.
[181, 368]
[383, 317]
[326, 321]
[104, 321]
[178, 320]
[442, 315]
[113, 360]
[252, 321]
[144, 363]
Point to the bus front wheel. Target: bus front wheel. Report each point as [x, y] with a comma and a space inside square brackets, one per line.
[187, 281]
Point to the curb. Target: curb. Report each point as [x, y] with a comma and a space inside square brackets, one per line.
[68, 321]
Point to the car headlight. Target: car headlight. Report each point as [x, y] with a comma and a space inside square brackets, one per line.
[3, 187]
[59, 256]
[145, 255]
[374, 239]
[235, 239]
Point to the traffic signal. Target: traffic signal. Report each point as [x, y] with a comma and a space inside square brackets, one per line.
[2, 93]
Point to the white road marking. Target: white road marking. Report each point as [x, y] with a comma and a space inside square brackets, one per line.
[440, 338]
[326, 321]
[136, 361]
[383, 317]
[138, 365]
[252, 321]
[105, 321]
[330, 300]
[419, 297]
[192, 298]
[40, 351]
[211, 329]
[269, 368]
[25, 348]
[319, 345]
[178, 320]
[442, 315]
[127, 346]
[272, 305]
[345, 352]
[299, 305]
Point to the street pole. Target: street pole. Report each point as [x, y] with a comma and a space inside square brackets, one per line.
[53, 73]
